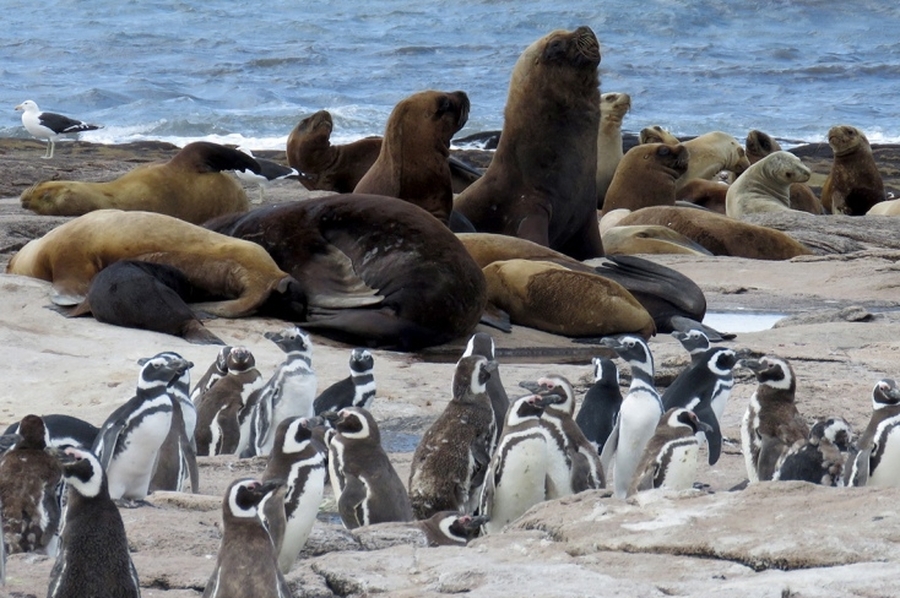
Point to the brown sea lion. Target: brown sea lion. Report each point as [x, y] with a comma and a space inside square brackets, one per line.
[650, 239]
[766, 186]
[541, 184]
[71, 254]
[759, 145]
[532, 291]
[412, 164]
[854, 184]
[720, 234]
[711, 153]
[327, 167]
[613, 107]
[376, 270]
[704, 193]
[646, 177]
[656, 134]
[191, 186]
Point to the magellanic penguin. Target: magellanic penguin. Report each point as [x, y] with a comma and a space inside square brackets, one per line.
[93, 559]
[821, 458]
[670, 459]
[216, 370]
[517, 477]
[301, 464]
[223, 412]
[132, 435]
[246, 564]
[569, 448]
[65, 431]
[356, 390]
[290, 391]
[449, 528]
[30, 488]
[694, 341]
[176, 466]
[601, 403]
[365, 483]
[704, 388]
[448, 465]
[481, 343]
[640, 413]
[878, 461]
[771, 423]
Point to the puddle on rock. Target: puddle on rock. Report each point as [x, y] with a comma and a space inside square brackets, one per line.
[741, 321]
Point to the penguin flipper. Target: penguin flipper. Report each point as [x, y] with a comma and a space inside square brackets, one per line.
[858, 473]
[105, 444]
[713, 436]
[609, 448]
[350, 503]
[581, 473]
[770, 451]
[231, 433]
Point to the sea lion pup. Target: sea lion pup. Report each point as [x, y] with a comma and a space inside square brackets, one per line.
[766, 186]
[324, 166]
[854, 184]
[720, 234]
[711, 153]
[375, 270]
[541, 184]
[191, 186]
[71, 254]
[613, 107]
[656, 134]
[651, 238]
[758, 146]
[704, 193]
[412, 164]
[646, 177]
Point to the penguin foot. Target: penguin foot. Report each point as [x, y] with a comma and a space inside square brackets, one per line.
[130, 503]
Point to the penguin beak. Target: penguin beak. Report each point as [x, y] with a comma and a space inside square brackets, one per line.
[314, 422]
[549, 399]
[611, 342]
[531, 386]
[491, 366]
[331, 417]
[753, 365]
[470, 522]
[7, 441]
[704, 427]
[746, 354]
[64, 456]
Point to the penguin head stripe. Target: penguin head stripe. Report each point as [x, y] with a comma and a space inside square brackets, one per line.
[721, 361]
[693, 340]
[244, 496]
[885, 394]
[161, 369]
[82, 471]
[605, 369]
[482, 344]
[773, 372]
[558, 385]
[361, 362]
[296, 435]
[838, 431]
[448, 526]
[356, 423]
[292, 339]
[240, 359]
[634, 350]
[222, 359]
[685, 418]
[471, 376]
[523, 409]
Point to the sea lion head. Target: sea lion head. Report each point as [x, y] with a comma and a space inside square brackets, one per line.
[759, 145]
[786, 168]
[576, 52]
[656, 134]
[55, 197]
[672, 159]
[444, 113]
[614, 105]
[845, 139]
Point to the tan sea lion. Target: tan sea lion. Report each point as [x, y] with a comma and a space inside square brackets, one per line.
[646, 177]
[704, 193]
[71, 254]
[541, 184]
[889, 207]
[656, 134]
[711, 153]
[651, 239]
[412, 164]
[766, 186]
[759, 145]
[191, 186]
[721, 234]
[532, 292]
[612, 218]
[613, 107]
[854, 184]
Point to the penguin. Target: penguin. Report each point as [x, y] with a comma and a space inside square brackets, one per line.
[290, 391]
[130, 438]
[176, 466]
[65, 431]
[30, 491]
[694, 341]
[517, 477]
[771, 423]
[216, 370]
[670, 459]
[301, 464]
[356, 390]
[449, 463]
[821, 457]
[246, 564]
[569, 449]
[876, 463]
[449, 528]
[481, 343]
[366, 485]
[704, 388]
[638, 416]
[223, 412]
[93, 559]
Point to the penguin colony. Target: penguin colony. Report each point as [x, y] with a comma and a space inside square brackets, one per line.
[483, 462]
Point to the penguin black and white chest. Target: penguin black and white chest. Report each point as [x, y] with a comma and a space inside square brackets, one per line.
[601, 404]
[246, 564]
[640, 413]
[771, 423]
[356, 390]
[131, 437]
[821, 458]
[216, 370]
[64, 431]
[449, 528]
[93, 559]
[366, 485]
[670, 459]
[226, 406]
[30, 491]
[176, 466]
[449, 464]
[704, 389]
[878, 460]
[694, 341]
[482, 344]
[301, 464]
[291, 391]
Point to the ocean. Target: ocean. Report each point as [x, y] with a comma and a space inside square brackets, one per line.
[246, 73]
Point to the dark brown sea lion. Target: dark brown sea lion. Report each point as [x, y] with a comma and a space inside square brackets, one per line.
[541, 182]
[758, 146]
[646, 177]
[376, 270]
[854, 184]
[412, 164]
[191, 186]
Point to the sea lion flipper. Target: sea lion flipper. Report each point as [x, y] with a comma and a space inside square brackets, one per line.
[332, 282]
[495, 317]
[535, 227]
[197, 333]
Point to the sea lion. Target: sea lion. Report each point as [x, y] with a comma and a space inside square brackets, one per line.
[613, 107]
[412, 164]
[541, 184]
[71, 254]
[704, 193]
[885, 208]
[611, 219]
[656, 134]
[191, 186]
[711, 153]
[766, 186]
[720, 234]
[532, 291]
[646, 177]
[327, 167]
[376, 270]
[854, 184]
[758, 146]
[649, 238]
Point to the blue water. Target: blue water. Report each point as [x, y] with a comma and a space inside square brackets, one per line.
[246, 73]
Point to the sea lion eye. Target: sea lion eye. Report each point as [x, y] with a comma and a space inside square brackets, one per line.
[664, 151]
